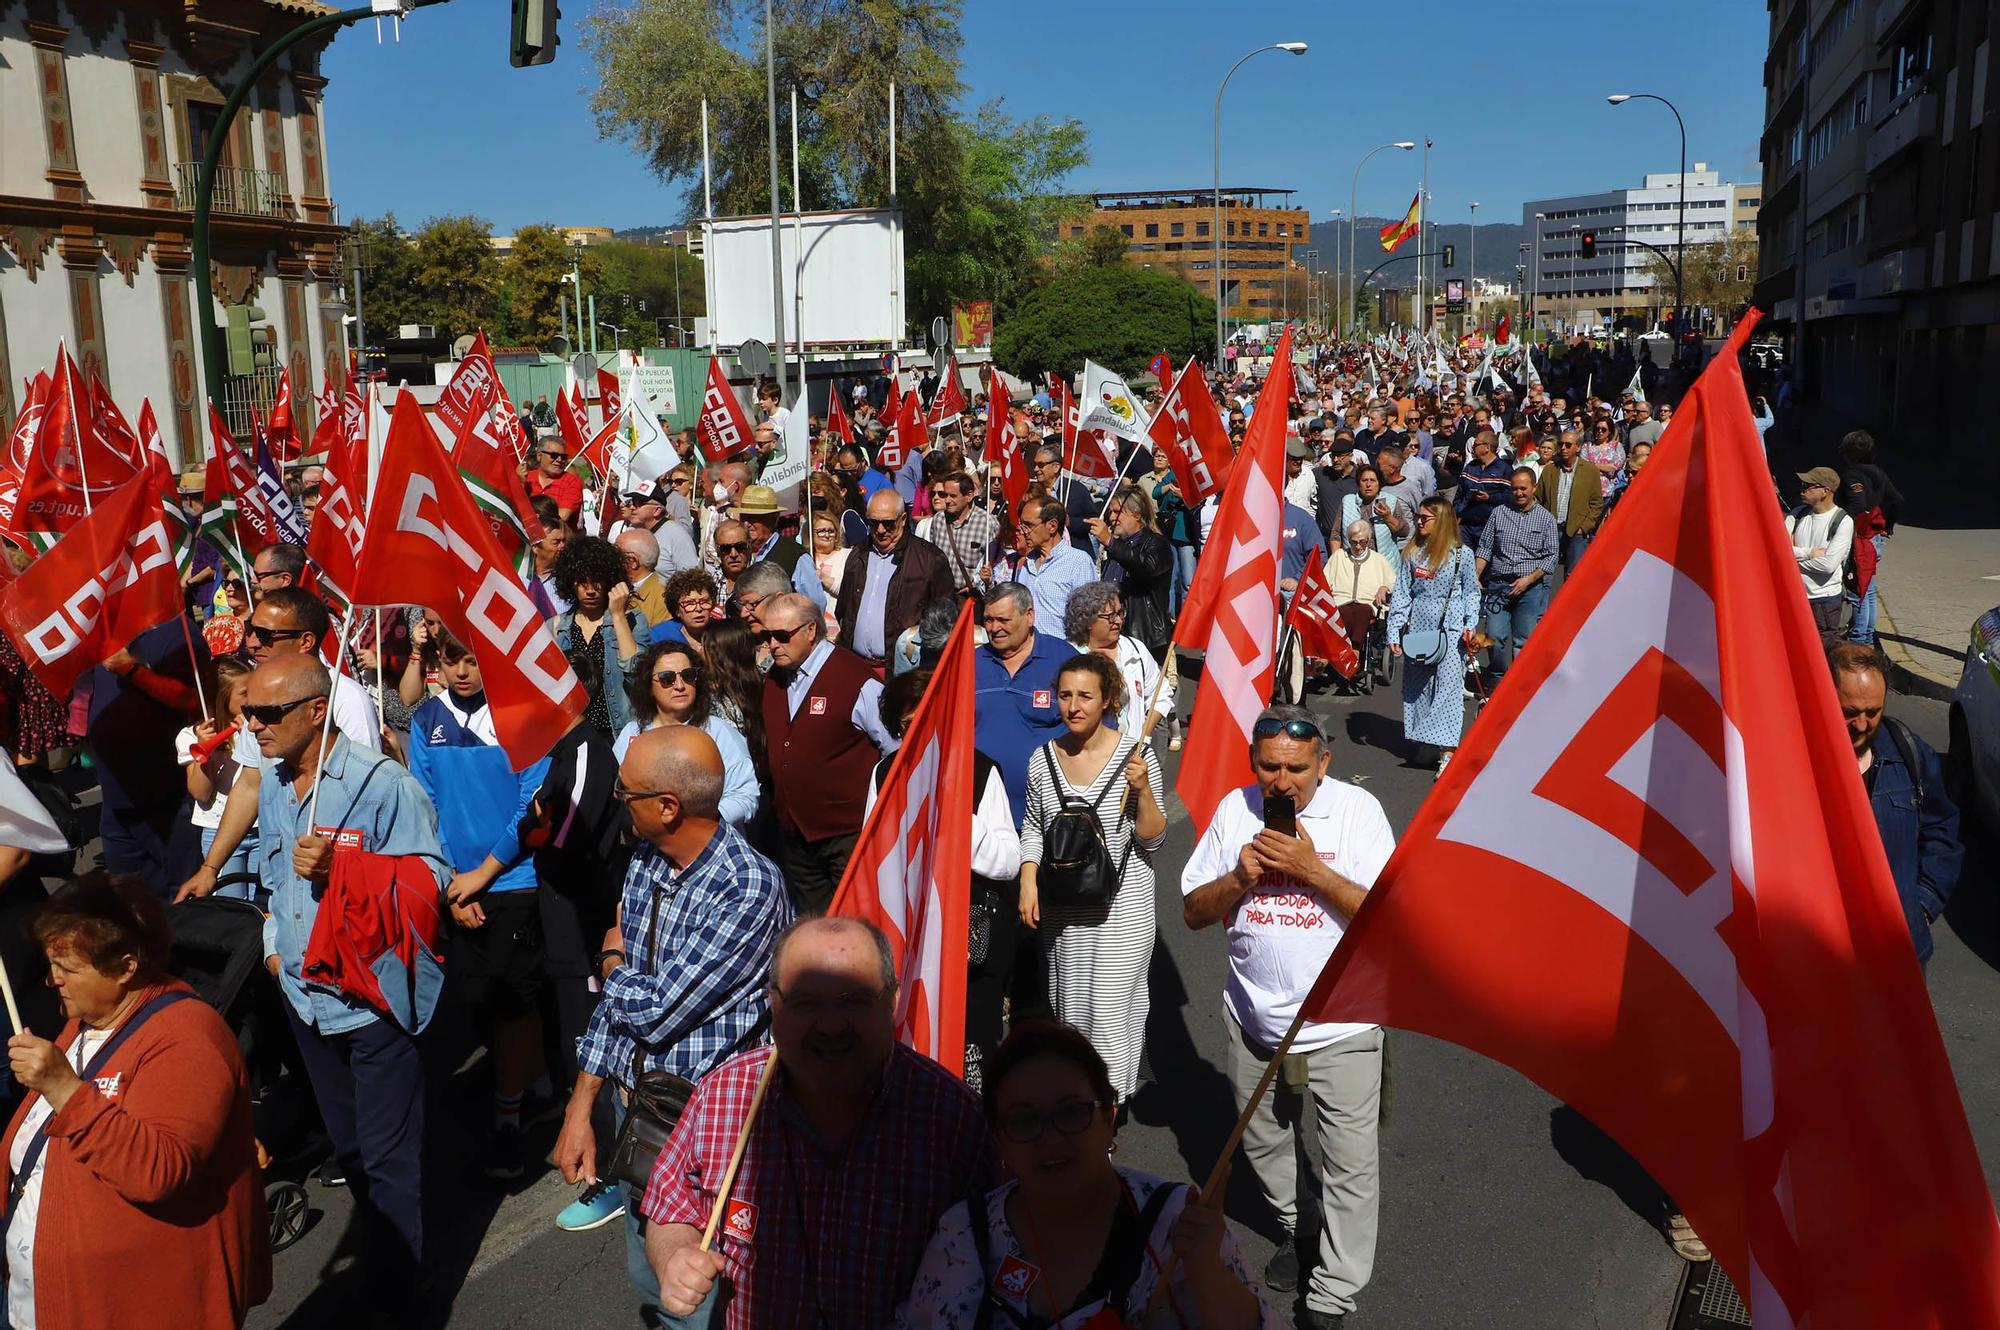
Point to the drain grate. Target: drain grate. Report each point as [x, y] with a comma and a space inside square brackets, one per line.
[1709, 1301]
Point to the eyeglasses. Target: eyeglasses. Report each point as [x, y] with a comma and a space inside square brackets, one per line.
[1426, 517]
[1114, 614]
[883, 523]
[854, 1003]
[772, 636]
[232, 583]
[680, 484]
[255, 634]
[1070, 1118]
[731, 547]
[690, 676]
[625, 795]
[692, 605]
[259, 577]
[1303, 730]
[558, 456]
[269, 714]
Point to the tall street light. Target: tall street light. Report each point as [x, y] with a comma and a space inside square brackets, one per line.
[1353, 193]
[1293, 48]
[1681, 221]
[1312, 263]
[1334, 322]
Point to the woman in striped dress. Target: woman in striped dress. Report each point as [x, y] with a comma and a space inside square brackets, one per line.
[1437, 589]
[1098, 956]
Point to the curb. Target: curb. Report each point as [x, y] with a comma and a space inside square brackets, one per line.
[1904, 677]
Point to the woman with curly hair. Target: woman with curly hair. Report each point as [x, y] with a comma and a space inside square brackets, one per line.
[690, 595]
[670, 687]
[589, 573]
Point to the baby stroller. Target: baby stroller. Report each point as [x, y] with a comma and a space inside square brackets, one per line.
[219, 952]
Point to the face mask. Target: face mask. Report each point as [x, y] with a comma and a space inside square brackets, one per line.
[720, 493]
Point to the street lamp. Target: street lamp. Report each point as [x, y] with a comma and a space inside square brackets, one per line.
[1575, 243]
[1535, 276]
[1334, 322]
[1292, 48]
[1312, 257]
[1353, 192]
[1681, 220]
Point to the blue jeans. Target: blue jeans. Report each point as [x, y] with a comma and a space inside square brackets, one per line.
[1861, 626]
[637, 1268]
[1509, 620]
[1184, 556]
[241, 862]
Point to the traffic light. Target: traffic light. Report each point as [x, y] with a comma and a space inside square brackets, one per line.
[533, 35]
[252, 342]
[1449, 252]
[1590, 244]
[1742, 272]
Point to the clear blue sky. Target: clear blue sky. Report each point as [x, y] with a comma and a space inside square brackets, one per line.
[1512, 94]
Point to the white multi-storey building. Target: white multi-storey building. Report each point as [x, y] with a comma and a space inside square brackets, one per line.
[105, 110]
[1567, 290]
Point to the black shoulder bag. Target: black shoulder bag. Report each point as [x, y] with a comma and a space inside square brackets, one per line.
[1076, 869]
[658, 1098]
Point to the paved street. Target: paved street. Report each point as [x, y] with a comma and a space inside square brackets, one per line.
[1500, 1207]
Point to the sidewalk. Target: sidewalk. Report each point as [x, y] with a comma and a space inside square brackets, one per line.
[1932, 585]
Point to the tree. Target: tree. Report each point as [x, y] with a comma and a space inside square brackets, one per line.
[977, 194]
[1120, 316]
[635, 289]
[455, 274]
[1102, 246]
[388, 294]
[531, 286]
[1710, 277]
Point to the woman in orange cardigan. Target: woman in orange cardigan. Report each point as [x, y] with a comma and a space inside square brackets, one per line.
[136, 1133]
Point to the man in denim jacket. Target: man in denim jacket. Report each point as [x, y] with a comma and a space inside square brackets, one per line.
[1905, 780]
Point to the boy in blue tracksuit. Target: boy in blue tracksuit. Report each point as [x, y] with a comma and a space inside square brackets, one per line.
[496, 949]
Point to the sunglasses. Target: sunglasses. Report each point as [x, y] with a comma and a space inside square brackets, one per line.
[772, 636]
[560, 457]
[1069, 1118]
[255, 634]
[732, 547]
[883, 523]
[1302, 730]
[668, 678]
[681, 484]
[270, 714]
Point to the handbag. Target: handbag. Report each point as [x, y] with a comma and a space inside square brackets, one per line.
[1429, 646]
[658, 1100]
[1076, 868]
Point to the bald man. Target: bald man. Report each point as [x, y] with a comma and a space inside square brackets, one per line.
[322, 790]
[888, 581]
[686, 970]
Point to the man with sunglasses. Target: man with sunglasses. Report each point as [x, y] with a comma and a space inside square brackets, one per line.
[686, 968]
[1286, 900]
[321, 791]
[1049, 566]
[758, 510]
[823, 735]
[1573, 493]
[888, 581]
[553, 477]
[732, 555]
[288, 623]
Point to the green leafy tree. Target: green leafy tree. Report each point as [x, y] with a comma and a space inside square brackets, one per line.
[1119, 316]
[977, 193]
[531, 284]
[1102, 246]
[388, 292]
[455, 274]
[636, 290]
[1710, 278]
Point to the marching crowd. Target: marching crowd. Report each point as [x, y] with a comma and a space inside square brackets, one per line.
[637, 921]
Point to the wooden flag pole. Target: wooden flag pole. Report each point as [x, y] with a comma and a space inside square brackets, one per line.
[742, 1143]
[1211, 1190]
[7, 992]
[326, 726]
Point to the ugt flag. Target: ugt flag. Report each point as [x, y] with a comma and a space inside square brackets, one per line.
[1652, 883]
[910, 869]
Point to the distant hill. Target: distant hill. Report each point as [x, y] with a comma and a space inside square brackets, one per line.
[1499, 247]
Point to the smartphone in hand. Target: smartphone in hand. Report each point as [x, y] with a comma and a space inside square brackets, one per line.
[1281, 814]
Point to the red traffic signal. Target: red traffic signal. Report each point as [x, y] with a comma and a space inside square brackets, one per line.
[1590, 244]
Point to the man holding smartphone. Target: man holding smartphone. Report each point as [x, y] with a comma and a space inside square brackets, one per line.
[1285, 863]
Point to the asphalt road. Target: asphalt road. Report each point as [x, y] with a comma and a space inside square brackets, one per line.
[1501, 1207]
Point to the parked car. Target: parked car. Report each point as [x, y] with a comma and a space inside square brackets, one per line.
[1972, 769]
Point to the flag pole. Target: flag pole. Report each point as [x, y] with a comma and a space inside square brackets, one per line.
[7, 993]
[326, 725]
[1118, 480]
[742, 1143]
[1211, 1189]
[187, 634]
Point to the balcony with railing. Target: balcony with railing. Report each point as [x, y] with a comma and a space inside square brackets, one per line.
[242, 190]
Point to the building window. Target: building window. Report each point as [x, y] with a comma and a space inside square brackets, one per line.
[1076, 230]
[1176, 228]
[1127, 229]
[1229, 228]
[1201, 228]
[1152, 230]
[1263, 228]
[1910, 66]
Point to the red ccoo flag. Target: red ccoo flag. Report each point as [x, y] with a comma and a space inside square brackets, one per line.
[909, 871]
[1315, 616]
[723, 429]
[906, 435]
[71, 462]
[607, 393]
[473, 389]
[837, 423]
[1003, 448]
[572, 421]
[1679, 860]
[1189, 432]
[281, 432]
[1231, 611]
[108, 580]
[429, 544]
[948, 402]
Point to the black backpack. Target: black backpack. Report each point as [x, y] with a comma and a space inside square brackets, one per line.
[61, 808]
[1076, 868]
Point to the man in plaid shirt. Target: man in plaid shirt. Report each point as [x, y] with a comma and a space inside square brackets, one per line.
[961, 528]
[686, 969]
[859, 1146]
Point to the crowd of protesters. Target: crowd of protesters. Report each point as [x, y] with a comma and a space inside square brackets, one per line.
[635, 922]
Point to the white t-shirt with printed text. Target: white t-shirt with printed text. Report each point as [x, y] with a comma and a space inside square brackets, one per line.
[1281, 933]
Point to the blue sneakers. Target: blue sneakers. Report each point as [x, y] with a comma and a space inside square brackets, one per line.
[597, 1205]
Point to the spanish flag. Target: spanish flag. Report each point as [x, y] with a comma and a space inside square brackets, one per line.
[1395, 233]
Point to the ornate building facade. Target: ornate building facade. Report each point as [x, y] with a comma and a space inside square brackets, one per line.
[107, 109]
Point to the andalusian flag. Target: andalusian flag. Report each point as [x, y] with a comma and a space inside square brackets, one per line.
[1396, 233]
